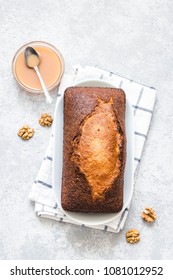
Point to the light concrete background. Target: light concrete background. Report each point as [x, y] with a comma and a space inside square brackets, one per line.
[132, 38]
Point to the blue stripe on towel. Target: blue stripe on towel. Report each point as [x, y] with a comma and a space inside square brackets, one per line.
[43, 183]
[141, 108]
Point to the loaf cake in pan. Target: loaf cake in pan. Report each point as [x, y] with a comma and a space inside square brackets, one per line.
[94, 149]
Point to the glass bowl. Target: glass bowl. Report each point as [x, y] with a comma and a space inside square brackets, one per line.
[38, 44]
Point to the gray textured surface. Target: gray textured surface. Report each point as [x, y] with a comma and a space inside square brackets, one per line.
[132, 38]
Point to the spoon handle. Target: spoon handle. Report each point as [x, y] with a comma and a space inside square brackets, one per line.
[46, 93]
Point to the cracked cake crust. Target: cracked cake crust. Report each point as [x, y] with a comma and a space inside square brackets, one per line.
[94, 145]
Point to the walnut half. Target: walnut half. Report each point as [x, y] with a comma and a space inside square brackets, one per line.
[45, 120]
[26, 132]
[132, 236]
[149, 215]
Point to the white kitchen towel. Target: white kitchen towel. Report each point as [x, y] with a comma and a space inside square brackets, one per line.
[142, 99]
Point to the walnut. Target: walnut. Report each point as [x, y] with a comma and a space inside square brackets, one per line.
[132, 236]
[26, 132]
[149, 215]
[45, 120]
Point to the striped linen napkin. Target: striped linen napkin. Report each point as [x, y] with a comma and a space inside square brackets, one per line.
[142, 99]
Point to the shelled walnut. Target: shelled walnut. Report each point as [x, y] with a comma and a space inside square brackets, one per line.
[45, 120]
[26, 132]
[149, 215]
[132, 236]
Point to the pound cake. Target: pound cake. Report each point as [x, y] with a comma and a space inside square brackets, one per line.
[94, 149]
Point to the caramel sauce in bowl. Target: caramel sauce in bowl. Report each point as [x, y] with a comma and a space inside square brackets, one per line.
[51, 67]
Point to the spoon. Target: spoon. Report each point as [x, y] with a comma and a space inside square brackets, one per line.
[32, 60]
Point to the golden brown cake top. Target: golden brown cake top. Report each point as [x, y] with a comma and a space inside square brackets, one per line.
[96, 148]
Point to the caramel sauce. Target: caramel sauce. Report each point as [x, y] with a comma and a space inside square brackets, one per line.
[50, 68]
[33, 61]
